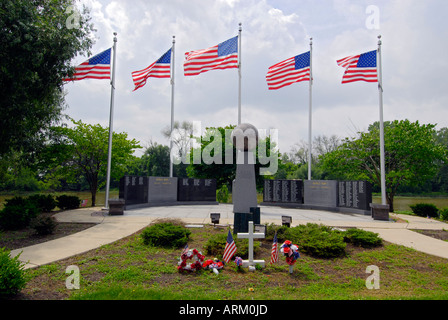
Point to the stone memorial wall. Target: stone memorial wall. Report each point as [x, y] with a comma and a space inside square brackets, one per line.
[340, 196]
[355, 194]
[147, 191]
[321, 193]
[162, 189]
[283, 191]
[196, 189]
[133, 189]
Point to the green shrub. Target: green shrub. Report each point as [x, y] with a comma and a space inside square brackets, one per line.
[222, 194]
[16, 201]
[166, 235]
[45, 203]
[216, 244]
[362, 238]
[444, 214]
[68, 202]
[318, 240]
[425, 210]
[12, 274]
[281, 232]
[44, 225]
[17, 213]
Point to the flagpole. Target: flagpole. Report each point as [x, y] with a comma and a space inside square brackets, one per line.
[382, 154]
[172, 106]
[111, 118]
[239, 74]
[310, 123]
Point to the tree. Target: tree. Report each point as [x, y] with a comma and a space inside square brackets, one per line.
[222, 169]
[156, 160]
[181, 138]
[36, 48]
[83, 150]
[440, 181]
[411, 155]
[321, 145]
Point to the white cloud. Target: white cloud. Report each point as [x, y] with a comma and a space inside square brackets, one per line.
[414, 65]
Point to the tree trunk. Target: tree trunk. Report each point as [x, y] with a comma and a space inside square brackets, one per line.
[93, 197]
[390, 200]
[93, 189]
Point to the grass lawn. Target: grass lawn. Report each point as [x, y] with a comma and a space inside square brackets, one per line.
[130, 270]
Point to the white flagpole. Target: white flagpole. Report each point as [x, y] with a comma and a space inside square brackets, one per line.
[111, 119]
[172, 105]
[239, 74]
[310, 123]
[382, 155]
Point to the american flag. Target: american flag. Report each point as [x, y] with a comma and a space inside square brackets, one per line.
[289, 71]
[159, 69]
[185, 250]
[230, 248]
[221, 56]
[97, 67]
[361, 67]
[274, 251]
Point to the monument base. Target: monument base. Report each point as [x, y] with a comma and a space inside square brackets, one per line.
[247, 263]
[241, 220]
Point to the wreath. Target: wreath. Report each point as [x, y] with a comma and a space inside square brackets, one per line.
[196, 261]
[290, 251]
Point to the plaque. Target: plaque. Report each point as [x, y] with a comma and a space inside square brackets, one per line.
[321, 193]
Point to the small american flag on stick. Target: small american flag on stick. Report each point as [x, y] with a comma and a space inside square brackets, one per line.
[274, 251]
[230, 248]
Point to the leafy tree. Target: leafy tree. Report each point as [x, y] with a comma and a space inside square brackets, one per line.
[440, 181]
[181, 138]
[36, 48]
[83, 150]
[411, 155]
[223, 173]
[218, 167]
[156, 160]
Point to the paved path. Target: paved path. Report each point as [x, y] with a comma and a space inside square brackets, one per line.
[112, 228]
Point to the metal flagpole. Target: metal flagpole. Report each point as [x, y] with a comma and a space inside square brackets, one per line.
[382, 156]
[310, 123]
[111, 118]
[172, 105]
[239, 74]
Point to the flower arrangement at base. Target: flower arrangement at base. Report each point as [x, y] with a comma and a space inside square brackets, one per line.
[190, 260]
[238, 261]
[290, 251]
[214, 265]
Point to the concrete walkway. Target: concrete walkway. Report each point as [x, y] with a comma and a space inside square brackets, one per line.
[112, 228]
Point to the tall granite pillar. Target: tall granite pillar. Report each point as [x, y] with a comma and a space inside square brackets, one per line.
[244, 193]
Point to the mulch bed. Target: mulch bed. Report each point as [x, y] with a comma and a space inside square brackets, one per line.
[438, 234]
[27, 237]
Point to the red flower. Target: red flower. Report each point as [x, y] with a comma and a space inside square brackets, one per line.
[290, 260]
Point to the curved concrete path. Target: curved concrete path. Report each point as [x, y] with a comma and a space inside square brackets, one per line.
[112, 228]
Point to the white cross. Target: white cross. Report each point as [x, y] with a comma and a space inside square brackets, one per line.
[251, 236]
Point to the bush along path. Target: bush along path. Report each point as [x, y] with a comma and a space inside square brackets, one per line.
[29, 221]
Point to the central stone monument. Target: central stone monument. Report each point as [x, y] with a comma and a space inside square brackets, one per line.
[244, 193]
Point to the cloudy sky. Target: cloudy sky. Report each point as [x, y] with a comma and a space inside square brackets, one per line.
[415, 67]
